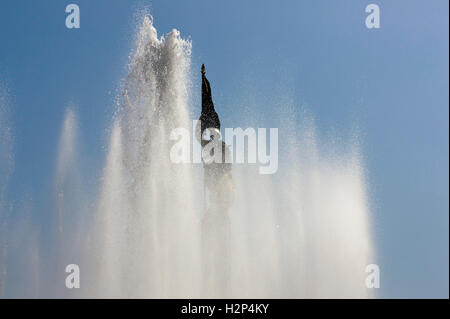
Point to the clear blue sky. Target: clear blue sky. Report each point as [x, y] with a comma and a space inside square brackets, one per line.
[392, 83]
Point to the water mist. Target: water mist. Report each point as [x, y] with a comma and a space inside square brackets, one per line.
[303, 232]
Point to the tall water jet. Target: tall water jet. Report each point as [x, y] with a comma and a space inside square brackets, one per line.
[152, 244]
[66, 164]
[113, 219]
[67, 202]
[303, 232]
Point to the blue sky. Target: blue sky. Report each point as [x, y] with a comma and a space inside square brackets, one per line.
[390, 83]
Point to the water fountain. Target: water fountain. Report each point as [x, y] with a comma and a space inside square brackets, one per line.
[303, 232]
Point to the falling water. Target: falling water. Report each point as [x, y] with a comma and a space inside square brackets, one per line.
[302, 232]
[147, 209]
[309, 240]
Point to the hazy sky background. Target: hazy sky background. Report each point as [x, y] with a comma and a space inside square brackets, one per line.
[389, 84]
